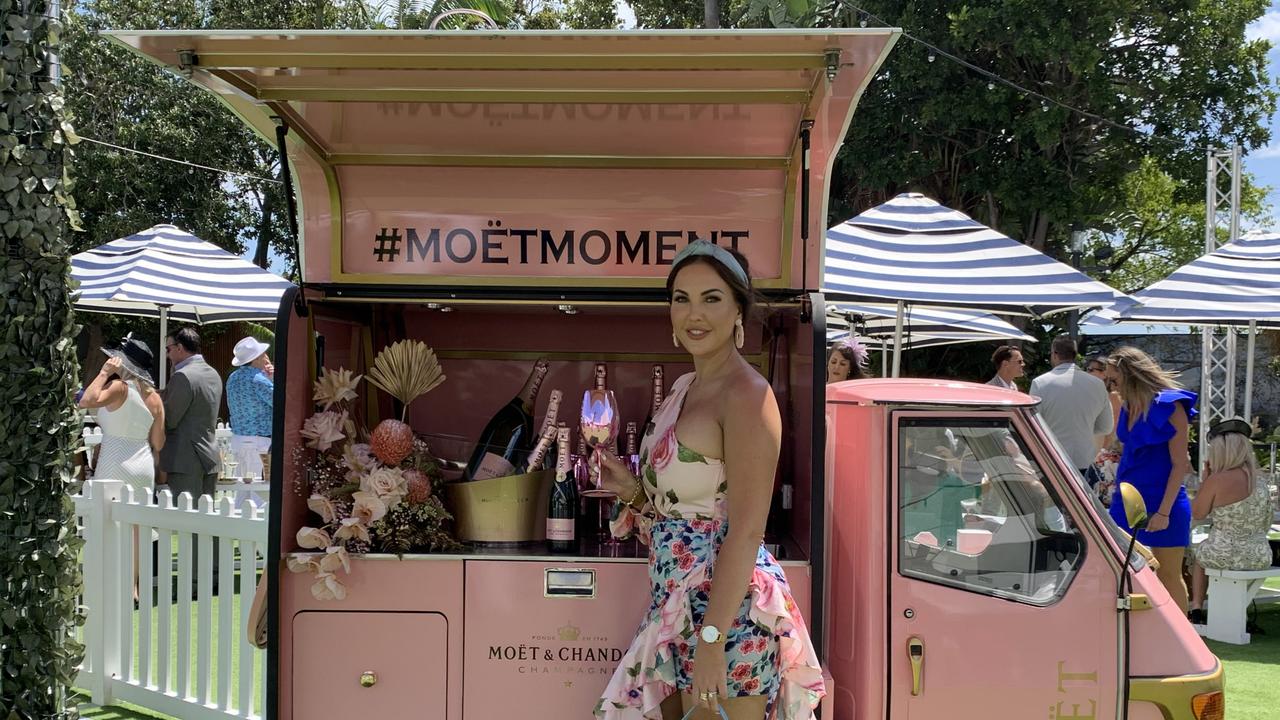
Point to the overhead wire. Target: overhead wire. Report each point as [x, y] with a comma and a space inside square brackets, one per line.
[180, 162]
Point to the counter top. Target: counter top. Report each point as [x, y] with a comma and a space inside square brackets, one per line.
[630, 551]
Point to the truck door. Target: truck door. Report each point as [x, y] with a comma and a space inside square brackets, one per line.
[999, 605]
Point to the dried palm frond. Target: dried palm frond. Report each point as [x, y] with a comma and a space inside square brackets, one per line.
[406, 370]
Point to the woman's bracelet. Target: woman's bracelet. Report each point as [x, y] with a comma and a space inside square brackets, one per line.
[637, 498]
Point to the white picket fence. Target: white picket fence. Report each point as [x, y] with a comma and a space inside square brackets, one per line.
[151, 656]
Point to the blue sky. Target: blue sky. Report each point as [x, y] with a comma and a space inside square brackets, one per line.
[1264, 163]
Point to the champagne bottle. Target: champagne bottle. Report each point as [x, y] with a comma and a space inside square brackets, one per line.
[508, 436]
[581, 469]
[655, 396]
[633, 456]
[539, 453]
[562, 511]
[553, 410]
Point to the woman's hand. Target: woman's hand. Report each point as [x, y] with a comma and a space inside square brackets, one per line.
[710, 674]
[112, 366]
[1157, 522]
[615, 476]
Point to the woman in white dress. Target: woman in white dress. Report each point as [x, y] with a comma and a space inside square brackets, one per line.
[131, 415]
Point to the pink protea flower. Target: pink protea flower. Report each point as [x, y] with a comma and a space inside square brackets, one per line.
[391, 442]
[417, 487]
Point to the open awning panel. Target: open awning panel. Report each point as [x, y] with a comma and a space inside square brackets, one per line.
[541, 157]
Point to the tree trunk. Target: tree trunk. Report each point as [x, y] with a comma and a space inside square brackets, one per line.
[268, 205]
[39, 424]
[711, 14]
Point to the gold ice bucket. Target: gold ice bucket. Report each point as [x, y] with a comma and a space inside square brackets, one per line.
[508, 509]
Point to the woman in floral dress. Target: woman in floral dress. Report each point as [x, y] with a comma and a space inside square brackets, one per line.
[722, 631]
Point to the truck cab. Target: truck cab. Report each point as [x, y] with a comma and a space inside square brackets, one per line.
[973, 573]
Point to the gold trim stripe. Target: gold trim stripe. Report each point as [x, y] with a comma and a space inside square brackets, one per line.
[513, 61]
[758, 360]
[564, 161]
[526, 95]
[518, 282]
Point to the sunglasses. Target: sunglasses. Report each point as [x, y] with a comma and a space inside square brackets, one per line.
[1096, 368]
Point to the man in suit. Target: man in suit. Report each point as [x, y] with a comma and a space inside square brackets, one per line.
[189, 458]
[1007, 360]
[1075, 405]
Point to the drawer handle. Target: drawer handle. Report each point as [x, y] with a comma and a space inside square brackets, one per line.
[368, 679]
[569, 583]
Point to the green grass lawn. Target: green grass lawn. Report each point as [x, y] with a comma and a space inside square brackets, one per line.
[1253, 670]
[92, 711]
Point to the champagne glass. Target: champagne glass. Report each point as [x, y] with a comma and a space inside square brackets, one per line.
[599, 427]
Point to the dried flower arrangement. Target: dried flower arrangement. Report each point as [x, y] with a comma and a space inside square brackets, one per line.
[380, 495]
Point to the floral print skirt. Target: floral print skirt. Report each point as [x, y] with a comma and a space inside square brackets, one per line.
[767, 648]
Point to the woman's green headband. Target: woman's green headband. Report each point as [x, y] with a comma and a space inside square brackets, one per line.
[715, 252]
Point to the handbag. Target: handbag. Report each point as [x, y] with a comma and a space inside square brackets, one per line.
[257, 625]
[694, 709]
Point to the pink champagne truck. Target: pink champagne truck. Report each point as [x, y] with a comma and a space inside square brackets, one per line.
[510, 196]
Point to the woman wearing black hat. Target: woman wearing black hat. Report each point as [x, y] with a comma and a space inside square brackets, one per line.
[131, 415]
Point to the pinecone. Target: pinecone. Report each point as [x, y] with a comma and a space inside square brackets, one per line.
[391, 442]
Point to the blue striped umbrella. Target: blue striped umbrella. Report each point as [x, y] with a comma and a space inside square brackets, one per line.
[1236, 284]
[878, 322]
[167, 273]
[914, 250]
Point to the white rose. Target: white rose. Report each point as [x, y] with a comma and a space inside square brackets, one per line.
[368, 507]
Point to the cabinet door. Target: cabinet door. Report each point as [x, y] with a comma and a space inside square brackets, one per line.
[542, 646]
[404, 654]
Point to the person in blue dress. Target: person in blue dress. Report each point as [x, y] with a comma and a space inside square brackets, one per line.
[1153, 429]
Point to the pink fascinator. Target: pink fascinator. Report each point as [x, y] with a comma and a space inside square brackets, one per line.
[857, 348]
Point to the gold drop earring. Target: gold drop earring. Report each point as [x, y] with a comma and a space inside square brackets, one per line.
[674, 341]
[739, 335]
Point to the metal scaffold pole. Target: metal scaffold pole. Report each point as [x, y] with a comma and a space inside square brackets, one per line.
[1218, 344]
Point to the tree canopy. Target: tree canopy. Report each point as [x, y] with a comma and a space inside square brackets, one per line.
[1158, 81]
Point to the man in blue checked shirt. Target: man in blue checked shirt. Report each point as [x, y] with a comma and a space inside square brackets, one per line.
[249, 393]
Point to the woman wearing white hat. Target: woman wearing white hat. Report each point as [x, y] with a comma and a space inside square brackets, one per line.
[249, 395]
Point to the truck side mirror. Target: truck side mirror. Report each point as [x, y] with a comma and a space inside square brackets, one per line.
[1135, 508]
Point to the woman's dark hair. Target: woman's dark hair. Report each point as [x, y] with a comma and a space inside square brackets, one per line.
[745, 294]
[856, 371]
